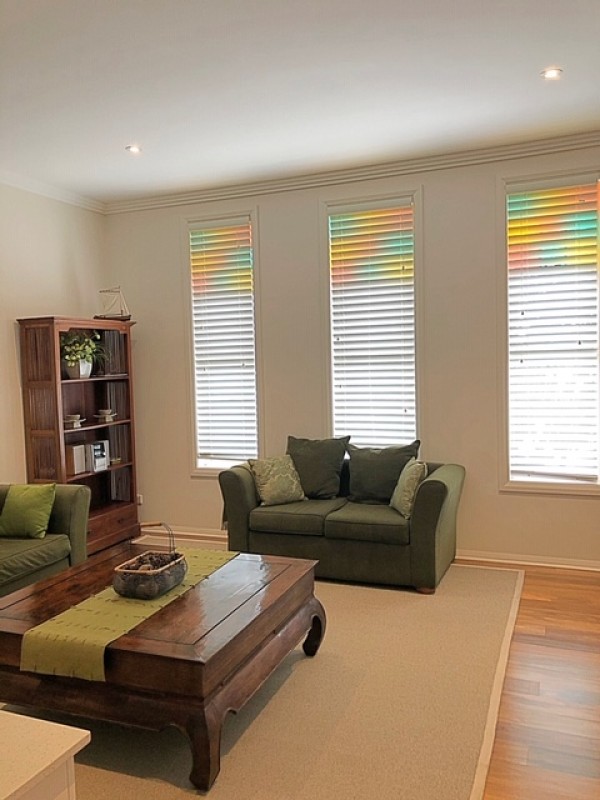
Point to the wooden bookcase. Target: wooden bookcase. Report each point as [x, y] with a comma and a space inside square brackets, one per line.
[51, 444]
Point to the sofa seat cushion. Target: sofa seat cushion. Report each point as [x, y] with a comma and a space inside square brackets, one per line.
[305, 517]
[368, 523]
[22, 557]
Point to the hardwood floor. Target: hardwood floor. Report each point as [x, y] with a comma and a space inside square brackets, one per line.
[547, 743]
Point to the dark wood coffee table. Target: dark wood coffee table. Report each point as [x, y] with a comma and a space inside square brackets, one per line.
[204, 654]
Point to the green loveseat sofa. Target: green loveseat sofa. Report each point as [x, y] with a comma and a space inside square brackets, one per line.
[370, 543]
[24, 561]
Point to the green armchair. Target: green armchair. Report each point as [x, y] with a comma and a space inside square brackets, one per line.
[24, 561]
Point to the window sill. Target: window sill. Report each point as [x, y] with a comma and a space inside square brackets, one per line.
[212, 468]
[555, 488]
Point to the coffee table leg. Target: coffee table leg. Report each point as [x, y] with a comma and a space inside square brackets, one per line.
[204, 732]
[204, 726]
[317, 630]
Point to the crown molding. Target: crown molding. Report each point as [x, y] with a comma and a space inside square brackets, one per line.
[350, 175]
[391, 169]
[52, 192]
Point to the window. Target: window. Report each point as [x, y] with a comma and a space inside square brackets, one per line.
[372, 291]
[553, 376]
[221, 261]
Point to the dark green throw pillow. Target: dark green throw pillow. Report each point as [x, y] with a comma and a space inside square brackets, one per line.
[319, 464]
[374, 472]
[27, 508]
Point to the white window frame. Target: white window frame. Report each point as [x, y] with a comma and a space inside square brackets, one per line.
[343, 205]
[506, 186]
[210, 467]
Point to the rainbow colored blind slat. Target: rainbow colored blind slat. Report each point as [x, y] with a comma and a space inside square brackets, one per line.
[221, 262]
[372, 242]
[371, 254]
[553, 334]
[553, 226]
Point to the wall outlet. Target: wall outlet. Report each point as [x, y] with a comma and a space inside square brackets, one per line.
[140, 499]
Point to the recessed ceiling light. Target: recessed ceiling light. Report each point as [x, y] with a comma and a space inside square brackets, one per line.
[551, 73]
[133, 148]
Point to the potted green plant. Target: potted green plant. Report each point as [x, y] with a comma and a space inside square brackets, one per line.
[79, 351]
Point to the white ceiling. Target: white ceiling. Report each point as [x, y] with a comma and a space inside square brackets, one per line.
[219, 92]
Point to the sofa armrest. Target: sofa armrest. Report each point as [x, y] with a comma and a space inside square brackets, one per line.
[433, 525]
[239, 498]
[70, 514]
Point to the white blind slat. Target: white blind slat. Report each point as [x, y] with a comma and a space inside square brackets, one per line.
[553, 306]
[371, 256]
[221, 262]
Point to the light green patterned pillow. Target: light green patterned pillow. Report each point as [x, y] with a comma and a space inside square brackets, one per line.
[277, 480]
[405, 492]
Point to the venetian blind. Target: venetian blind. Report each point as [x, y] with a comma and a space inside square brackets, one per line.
[223, 329]
[373, 325]
[553, 334]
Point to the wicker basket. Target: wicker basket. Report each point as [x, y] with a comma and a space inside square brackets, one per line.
[152, 573]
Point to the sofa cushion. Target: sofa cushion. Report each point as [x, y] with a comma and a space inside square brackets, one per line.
[306, 517]
[21, 557]
[405, 492]
[374, 472]
[367, 523]
[319, 463]
[26, 510]
[277, 480]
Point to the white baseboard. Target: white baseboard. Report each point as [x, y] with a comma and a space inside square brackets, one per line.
[534, 561]
[208, 538]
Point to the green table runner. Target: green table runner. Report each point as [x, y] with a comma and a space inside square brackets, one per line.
[73, 643]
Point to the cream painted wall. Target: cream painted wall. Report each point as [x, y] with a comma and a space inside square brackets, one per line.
[51, 263]
[55, 257]
[458, 326]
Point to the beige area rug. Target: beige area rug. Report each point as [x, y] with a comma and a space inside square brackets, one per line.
[400, 703]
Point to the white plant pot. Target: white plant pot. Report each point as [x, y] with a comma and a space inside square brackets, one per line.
[81, 370]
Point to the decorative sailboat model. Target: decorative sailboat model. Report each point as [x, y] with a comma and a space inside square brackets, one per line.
[114, 304]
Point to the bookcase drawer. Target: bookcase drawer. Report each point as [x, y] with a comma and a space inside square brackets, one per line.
[108, 526]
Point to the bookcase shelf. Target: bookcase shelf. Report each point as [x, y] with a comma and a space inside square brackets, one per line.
[58, 453]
